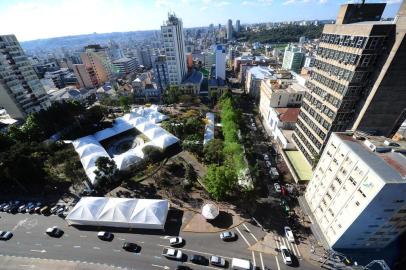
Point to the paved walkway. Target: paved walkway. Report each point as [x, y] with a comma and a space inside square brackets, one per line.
[21, 263]
[224, 221]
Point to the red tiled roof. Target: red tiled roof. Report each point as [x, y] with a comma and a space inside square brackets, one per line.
[288, 114]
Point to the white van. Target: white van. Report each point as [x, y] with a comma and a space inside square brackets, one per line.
[241, 264]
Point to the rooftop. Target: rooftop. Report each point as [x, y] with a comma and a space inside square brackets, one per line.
[193, 77]
[122, 60]
[261, 73]
[288, 114]
[384, 156]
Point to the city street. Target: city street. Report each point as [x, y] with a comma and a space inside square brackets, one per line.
[83, 246]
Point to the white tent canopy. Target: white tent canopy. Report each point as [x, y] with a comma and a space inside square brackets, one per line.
[119, 212]
[210, 211]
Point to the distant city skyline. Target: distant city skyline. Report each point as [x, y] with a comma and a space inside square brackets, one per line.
[38, 19]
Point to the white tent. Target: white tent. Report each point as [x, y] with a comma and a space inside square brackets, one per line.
[104, 134]
[210, 211]
[119, 212]
[145, 126]
[165, 141]
[127, 159]
[154, 133]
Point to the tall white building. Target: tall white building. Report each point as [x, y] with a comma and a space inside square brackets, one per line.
[237, 26]
[174, 45]
[220, 62]
[21, 92]
[229, 29]
[358, 190]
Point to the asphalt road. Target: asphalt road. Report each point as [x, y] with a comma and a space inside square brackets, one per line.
[77, 245]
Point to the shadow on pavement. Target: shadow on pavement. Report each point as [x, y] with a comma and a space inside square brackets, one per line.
[224, 220]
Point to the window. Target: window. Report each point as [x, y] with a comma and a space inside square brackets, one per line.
[362, 193]
[357, 203]
[398, 201]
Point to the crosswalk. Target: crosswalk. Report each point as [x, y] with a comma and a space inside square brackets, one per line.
[291, 246]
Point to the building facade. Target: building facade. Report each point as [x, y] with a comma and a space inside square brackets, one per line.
[357, 80]
[358, 190]
[125, 65]
[83, 76]
[293, 58]
[255, 76]
[97, 62]
[161, 75]
[237, 26]
[229, 29]
[21, 92]
[220, 62]
[174, 45]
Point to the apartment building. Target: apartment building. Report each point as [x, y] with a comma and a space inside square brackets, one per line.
[21, 92]
[358, 191]
[293, 58]
[174, 45]
[98, 64]
[358, 80]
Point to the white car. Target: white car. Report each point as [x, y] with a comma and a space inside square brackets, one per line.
[289, 234]
[217, 261]
[172, 253]
[266, 157]
[268, 163]
[287, 259]
[277, 187]
[225, 236]
[174, 241]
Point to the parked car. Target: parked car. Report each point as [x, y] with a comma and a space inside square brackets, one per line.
[268, 163]
[60, 210]
[240, 264]
[175, 241]
[277, 187]
[273, 172]
[44, 210]
[217, 261]
[287, 259]
[55, 208]
[2, 205]
[37, 207]
[172, 253]
[105, 236]
[13, 207]
[54, 231]
[5, 235]
[226, 236]
[266, 157]
[132, 247]
[30, 207]
[21, 208]
[289, 234]
[199, 259]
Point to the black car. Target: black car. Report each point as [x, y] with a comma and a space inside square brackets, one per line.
[5, 235]
[105, 236]
[132, 247]
[199, 259]
[54, 232]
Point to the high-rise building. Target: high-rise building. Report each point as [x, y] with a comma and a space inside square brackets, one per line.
[97, 62]
[358, 79]
[125, 65]
[174, 45]
[115, 51]
[84, 76]
[21, 92]
[161, 75]
[293, 59]
[356, 196]
[220, 62]
[237, 26]
[144, 56]
[229, 29]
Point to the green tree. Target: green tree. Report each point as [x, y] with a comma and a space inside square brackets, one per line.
[193, 143]
[171, 95]
[219, 181]
[105, 172]
[125, 103]
[213, 152]
[193, 125]
[152, 153]
[190, 174]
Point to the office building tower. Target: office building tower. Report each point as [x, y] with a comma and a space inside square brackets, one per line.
[237, 26]
[174, 45]
[229, 29]
[356, 196]
[220, 62]
[115, 51]
[161, 75]
[293, 58]
[144, 56]
[125, 65]
[209, 59]
[358, 79]
[98, 64]
[83, 76]
[21, 92]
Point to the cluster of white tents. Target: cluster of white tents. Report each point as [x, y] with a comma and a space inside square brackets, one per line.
[209, 129]
[119, 212]
[144, 120]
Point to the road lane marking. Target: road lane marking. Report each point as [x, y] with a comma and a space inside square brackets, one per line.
[57, 245]
[161, 266]
[96, 248]
[277, 263]
[28, 232]
[201, 252]
[122, 239]
[76, 246]
[165, 237]
[116, 250]
[262, 261]
[253, 236]
[243, 237]
[19, 224]
[40, 251]
[157, 257]
[37, 244]
[27, 265]
[253, 259]
[298, 252]
[83, 236]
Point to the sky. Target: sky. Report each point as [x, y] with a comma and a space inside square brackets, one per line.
[36, 19]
